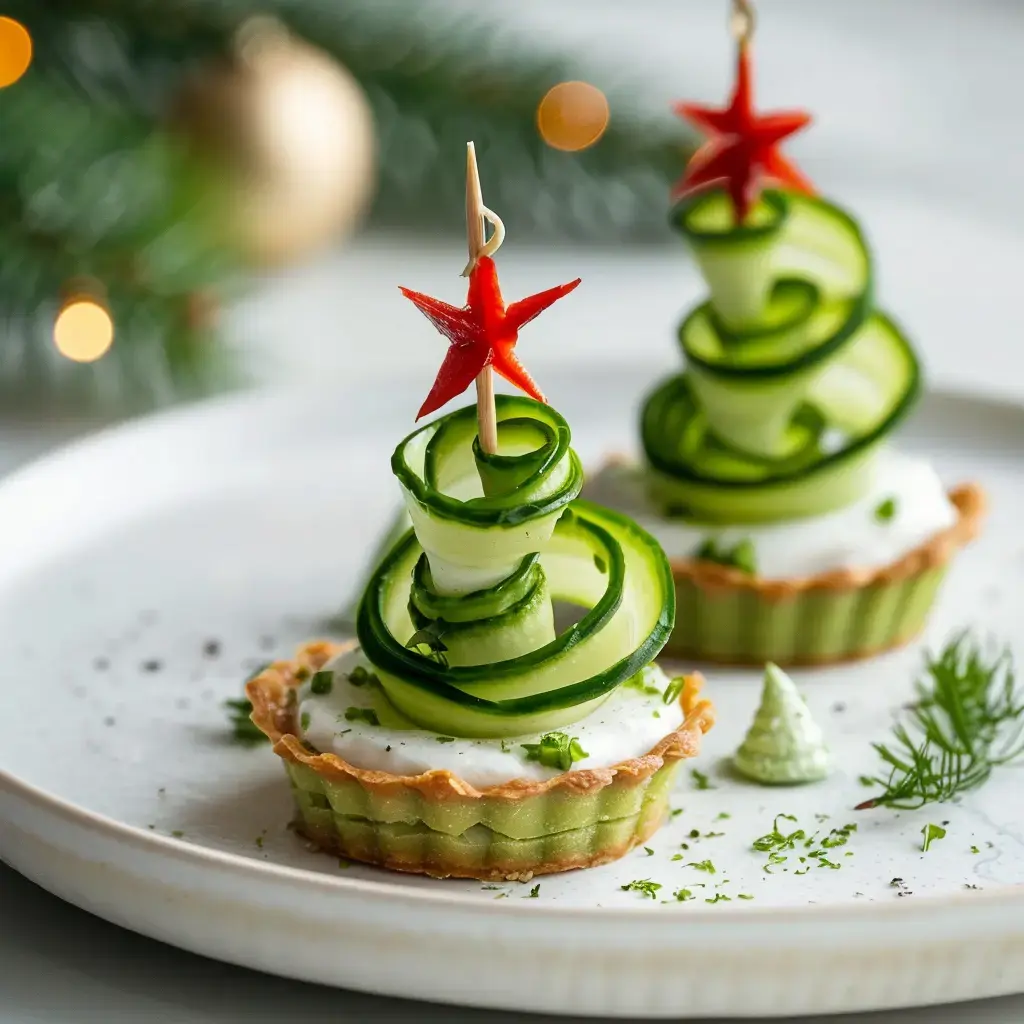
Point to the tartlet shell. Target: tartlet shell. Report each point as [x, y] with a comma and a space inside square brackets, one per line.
[442, 794]
[729, 617]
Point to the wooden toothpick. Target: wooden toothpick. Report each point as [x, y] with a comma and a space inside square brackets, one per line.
[487, 419]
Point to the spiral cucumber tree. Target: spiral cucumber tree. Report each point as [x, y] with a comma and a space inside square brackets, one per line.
[792, 377]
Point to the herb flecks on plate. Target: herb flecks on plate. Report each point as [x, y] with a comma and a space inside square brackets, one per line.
[968, 720]
[644, 886]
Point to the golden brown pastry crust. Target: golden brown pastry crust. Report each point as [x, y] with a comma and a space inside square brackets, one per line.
[274, 714]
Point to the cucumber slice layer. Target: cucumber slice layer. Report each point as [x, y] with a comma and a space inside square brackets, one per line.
[457, 619]
[792, 379]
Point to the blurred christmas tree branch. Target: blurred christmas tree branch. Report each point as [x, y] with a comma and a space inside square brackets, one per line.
[96, 187]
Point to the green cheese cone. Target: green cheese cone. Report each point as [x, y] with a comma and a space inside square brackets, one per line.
[784, 745]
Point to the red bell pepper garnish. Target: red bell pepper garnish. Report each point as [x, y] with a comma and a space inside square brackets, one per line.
[483, 332]
[742, 147]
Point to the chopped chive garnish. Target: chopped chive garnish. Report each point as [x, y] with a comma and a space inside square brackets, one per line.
[974, 849]
[243, 731]
[321, 683]
[555, 750]
[640, 684]
[719, 897]
[648, 851]
[534, 893]
[359, 676]
[674, 688]
[445, 739]
[744, 896]
[367, 715]
[700, 780]
[885, 510]
[304, 721]
[742, 557]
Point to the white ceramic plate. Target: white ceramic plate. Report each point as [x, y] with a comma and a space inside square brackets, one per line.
[145, 571]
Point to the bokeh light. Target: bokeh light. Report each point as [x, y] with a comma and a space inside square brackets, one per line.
[15, 51]
[572, 116]
[83, 331]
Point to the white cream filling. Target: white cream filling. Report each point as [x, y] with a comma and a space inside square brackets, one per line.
[627, 725]
[852, 537]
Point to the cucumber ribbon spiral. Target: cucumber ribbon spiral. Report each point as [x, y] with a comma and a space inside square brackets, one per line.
[792, 378]
[495, 540]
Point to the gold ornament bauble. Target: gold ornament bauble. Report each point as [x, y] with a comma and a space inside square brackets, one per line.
[296, 135]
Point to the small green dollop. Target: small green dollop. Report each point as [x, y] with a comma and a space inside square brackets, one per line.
[784, 745]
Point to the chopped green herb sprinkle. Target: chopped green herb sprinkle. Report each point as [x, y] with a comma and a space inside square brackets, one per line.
[243, 731]
[676, 811]
[931, 833]
[885, 510]
[776, 839]
[367, 715]
[657, 714]
[742, 557]
[321, 683]
[722, 816]
[640, 684]
[648, 851]
[673, 690]
[534, 893]
[359, 676]
[177, 833]
[644, 886]
[445, 739]
[744, 896]
[555, 750]
[259, 842]
[719, 897]
[304, 720]
[682, 895]
[974, 849]
[702, 865]
[700, 780]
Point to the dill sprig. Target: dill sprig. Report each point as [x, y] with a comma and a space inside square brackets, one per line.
[967, 720]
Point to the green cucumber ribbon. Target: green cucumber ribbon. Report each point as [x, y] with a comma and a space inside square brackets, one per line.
[792, 377]
[457, 619]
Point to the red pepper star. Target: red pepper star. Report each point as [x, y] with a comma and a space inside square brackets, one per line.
[482, 332]
[742, 147]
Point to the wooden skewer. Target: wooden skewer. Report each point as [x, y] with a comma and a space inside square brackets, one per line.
[487, 419]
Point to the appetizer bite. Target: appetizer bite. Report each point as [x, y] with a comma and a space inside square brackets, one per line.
[466, 735]
[796, 533]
